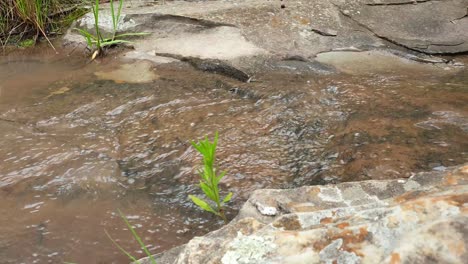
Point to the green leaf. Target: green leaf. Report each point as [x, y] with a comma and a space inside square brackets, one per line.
[88, 36]
[112, 13]
[227, 198]
[196, 146]
[122, 249]
[202, 204]
[114, 42]
[132, 34]
[216, 192]
[85, 33]
[208, 191]
[96, 23]
[220, 176]
[137, 238]
[118, 15]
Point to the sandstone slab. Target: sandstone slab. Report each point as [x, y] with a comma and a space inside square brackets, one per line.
[414, 220]
[229, 30]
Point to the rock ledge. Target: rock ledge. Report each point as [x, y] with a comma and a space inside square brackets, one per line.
[416, 220]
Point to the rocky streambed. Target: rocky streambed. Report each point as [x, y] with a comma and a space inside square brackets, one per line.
[315, 94]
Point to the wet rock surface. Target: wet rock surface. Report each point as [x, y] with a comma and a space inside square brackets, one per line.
[420, 219]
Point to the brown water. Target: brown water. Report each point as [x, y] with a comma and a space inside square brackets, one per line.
[75, 148]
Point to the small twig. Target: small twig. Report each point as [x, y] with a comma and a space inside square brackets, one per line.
[7, 120]
[11, 32]
[45, 36]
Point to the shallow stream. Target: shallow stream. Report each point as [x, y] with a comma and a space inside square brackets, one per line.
[79, 141]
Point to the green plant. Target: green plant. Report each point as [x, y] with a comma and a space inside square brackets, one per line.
[98, 42]
[137, 238]
[209, 182]
[29, 14]
[31, 19]
[26, 43]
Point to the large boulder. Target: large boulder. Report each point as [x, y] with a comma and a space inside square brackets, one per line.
[418, 220]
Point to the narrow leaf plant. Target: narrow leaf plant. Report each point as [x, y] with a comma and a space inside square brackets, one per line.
[209, 179]
[97, 42]
[137, 238]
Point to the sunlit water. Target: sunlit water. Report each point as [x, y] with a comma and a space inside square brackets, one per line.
[75, 148]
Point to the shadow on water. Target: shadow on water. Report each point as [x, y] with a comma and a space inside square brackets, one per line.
[75, 147]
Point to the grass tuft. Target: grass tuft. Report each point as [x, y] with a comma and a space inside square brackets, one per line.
[31, 19]
[96, 43]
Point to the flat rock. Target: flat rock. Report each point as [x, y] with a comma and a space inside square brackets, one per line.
[414, 220]
[254, 29]
[434, 27]
[172, 34]
[375, 62]
[216, 43]
[137, 72]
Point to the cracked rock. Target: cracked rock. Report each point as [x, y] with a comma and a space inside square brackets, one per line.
[432, 27]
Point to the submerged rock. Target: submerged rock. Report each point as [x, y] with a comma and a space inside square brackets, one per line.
[414, 220]
[137, 72]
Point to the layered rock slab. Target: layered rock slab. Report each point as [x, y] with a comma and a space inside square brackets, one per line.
[228, 30]
[414, 220]
[434, 27]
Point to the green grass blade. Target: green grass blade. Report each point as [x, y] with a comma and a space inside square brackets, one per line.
[112, 14]
[133, 34]
[118, 14]
[89, 42]
[85, 33]
[122, 249]
[88, 37]
[113, 42]
[202, 204]
[96, 23]
[138, 239]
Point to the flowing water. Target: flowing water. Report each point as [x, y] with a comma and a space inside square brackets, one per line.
[79, 141]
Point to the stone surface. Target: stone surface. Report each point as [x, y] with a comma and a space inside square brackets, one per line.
[428, 26]
[137, 72]
[175, 35]
[229, 30]
[379, 62]
[417, 220]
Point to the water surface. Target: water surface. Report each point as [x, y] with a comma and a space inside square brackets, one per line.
[76, 145]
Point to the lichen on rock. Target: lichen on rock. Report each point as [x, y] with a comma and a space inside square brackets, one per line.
[391, 221]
